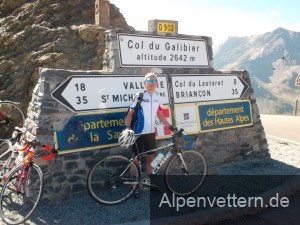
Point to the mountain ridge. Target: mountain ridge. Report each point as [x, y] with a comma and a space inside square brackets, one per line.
[273, 62]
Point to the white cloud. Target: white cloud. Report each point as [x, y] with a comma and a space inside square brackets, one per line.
[275, 13]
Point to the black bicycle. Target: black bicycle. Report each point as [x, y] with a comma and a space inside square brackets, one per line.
[114, 179]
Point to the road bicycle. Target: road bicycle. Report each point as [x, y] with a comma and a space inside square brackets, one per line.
[23, 185]
[11, 115]
[9, 151]
[114, 179]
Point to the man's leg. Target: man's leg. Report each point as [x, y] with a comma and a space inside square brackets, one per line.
[149, 143]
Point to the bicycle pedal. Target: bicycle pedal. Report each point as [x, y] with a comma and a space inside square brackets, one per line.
[144, 183]
[136, 192]
[144, 187]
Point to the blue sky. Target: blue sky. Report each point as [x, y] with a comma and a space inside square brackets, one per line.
[215, 18]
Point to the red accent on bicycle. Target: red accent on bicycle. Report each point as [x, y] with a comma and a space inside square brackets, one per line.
[24, 183]
[27, 146]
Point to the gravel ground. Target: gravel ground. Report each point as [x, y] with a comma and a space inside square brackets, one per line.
[285, 160]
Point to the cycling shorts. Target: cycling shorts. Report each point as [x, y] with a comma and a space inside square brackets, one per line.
[145, 142]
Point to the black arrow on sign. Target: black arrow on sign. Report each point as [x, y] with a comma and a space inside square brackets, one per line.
[246, 86]
[57, 94]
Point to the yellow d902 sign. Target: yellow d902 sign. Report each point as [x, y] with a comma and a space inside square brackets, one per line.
[166, 27]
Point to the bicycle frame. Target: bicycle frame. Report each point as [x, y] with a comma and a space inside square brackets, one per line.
[115, 178]
[8, 162]
[22, 162]
[12, 150]
[174, 145]
[168, 155]
[24, 180]
[29, 148]
[22, 177]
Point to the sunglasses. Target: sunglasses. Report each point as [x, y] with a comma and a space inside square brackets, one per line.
[151, 81]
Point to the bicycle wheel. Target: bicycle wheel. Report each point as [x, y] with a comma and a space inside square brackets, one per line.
[181, 182]
[5, 157]
[21, 194]
[112, 180]
[11, 115]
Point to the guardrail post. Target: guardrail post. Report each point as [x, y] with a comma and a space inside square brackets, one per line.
[296, 108]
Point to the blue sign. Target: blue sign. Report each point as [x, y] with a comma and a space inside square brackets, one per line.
[225, 115]
[87, 131]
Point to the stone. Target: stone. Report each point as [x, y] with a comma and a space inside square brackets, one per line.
[102, 13]
[89, 33]
[11, 4]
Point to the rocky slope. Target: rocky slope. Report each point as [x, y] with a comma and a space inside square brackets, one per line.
[53, 34]
[273, 61]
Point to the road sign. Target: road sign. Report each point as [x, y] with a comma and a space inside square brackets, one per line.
[99, 129]
[208, 87]
[163, 27]
[166, 27]
[187, 118]
[88, 92]
[225, 115]
[90, 130]
[145, 50]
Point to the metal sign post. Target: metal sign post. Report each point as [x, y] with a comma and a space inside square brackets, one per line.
[297, 84]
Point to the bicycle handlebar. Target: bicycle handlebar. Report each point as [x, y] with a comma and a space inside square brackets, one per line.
[53, 151]
[178, 132]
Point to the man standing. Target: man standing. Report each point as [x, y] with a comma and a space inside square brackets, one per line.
[152, 107]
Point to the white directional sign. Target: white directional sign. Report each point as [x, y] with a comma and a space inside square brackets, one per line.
[144, 50]
[87, 93]
[208, 87]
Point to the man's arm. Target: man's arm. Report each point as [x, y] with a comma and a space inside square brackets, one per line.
[130, 113]
[129, 118]
[162, 118]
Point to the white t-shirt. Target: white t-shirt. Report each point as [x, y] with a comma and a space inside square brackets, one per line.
[150, 104]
